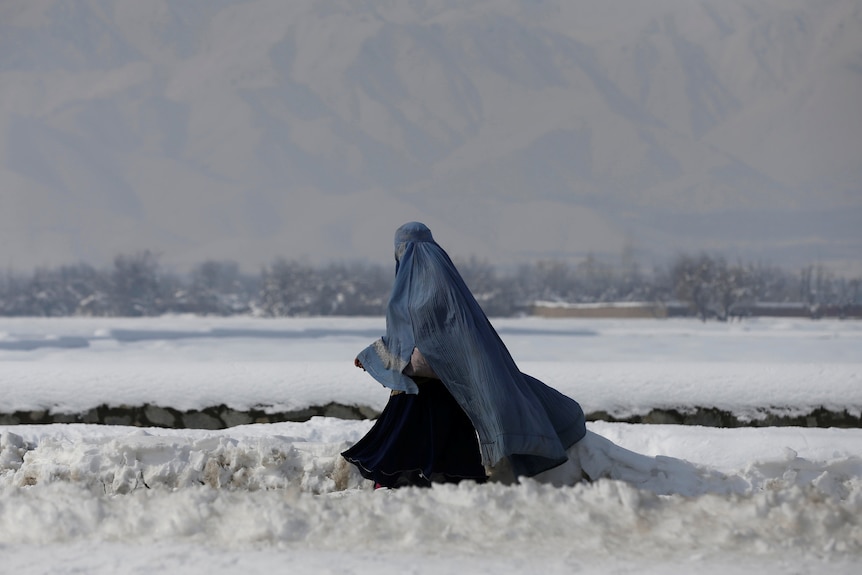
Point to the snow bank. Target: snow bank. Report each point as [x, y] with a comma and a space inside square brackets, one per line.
[603, 517]
[793, 493]
[620, 390]
[305, 456]
[270, 386]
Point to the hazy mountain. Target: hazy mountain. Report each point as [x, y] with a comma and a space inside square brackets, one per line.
[515, 129]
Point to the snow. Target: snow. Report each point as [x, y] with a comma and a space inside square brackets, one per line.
[665, 499]
[622, 367]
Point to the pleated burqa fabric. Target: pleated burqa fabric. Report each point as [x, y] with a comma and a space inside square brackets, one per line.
[431, 308]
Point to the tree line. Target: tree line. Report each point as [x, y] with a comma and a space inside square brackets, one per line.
[708, 286]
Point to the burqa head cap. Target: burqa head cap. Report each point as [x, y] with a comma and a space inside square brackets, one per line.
[413, 232]
[410, 232]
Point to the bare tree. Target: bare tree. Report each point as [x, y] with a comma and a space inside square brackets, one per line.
[692, 280]
[218, 288]
[135, 285]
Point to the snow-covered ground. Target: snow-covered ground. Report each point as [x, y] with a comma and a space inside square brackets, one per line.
[260, 498]
[622, 367]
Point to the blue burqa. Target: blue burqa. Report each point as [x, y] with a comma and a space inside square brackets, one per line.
[430, 308]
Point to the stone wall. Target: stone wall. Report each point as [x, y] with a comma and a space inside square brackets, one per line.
[221, 417]
[216, 417]
[712, 417]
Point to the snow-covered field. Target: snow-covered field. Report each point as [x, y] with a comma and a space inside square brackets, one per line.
[261, 498]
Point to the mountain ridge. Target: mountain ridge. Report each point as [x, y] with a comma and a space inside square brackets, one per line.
[248, 130]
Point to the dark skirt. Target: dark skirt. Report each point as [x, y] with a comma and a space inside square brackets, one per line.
[419, 439]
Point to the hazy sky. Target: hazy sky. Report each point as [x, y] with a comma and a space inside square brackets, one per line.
[249, 130]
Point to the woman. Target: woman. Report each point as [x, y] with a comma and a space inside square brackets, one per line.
[459, 403]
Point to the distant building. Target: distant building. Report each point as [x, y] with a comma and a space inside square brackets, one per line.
[641, 309]
[627, 309]
[773, 309]
[797, 309]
